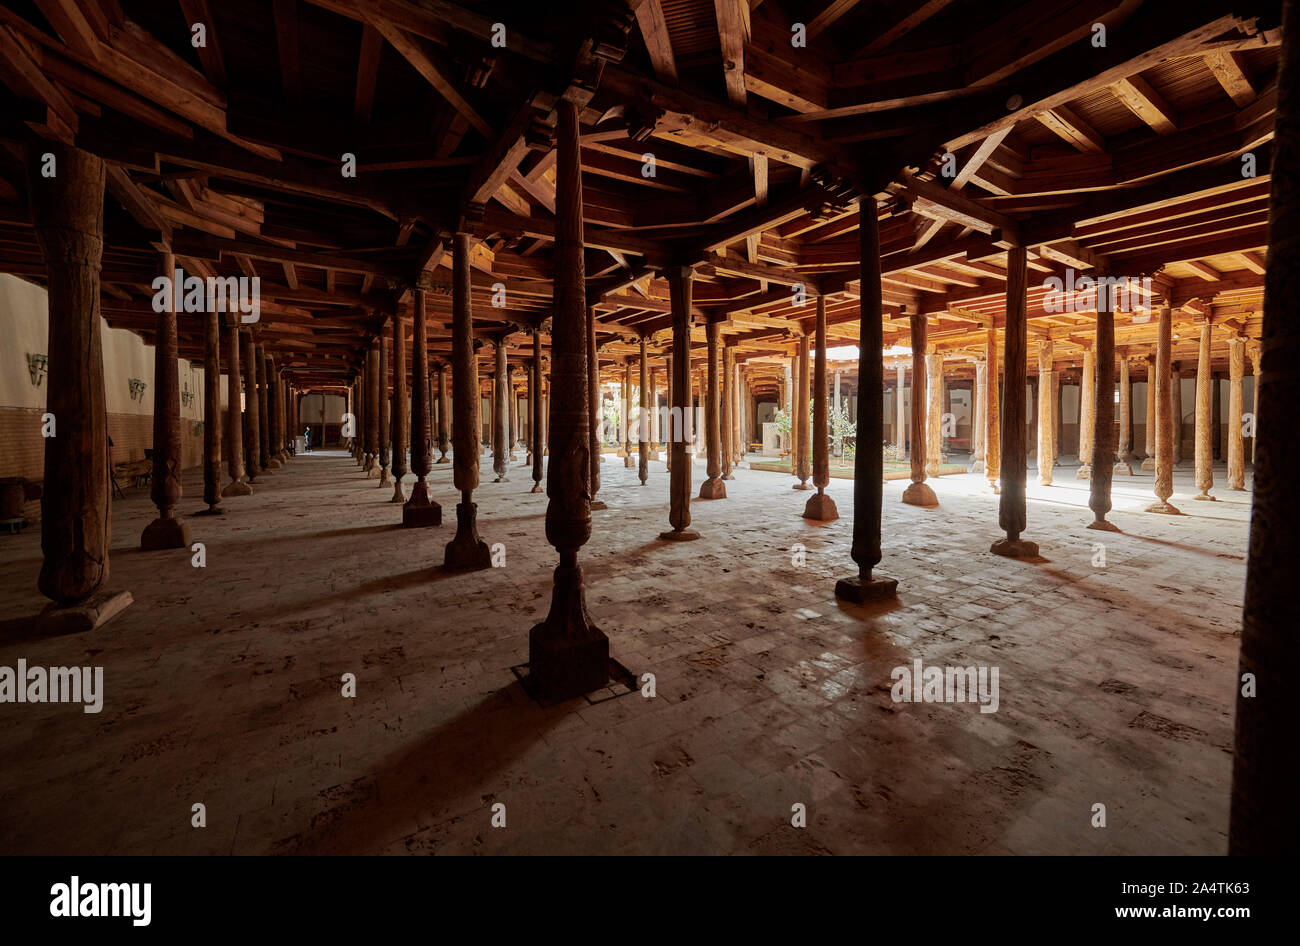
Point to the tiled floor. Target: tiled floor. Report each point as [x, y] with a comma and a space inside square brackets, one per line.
[1116, 653]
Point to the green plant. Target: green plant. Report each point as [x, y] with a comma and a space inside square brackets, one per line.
[893, 452]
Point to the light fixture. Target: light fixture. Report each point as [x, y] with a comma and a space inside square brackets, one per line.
[36, 367]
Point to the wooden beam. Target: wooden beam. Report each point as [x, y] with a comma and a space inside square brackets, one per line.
[214, 65]
[286, 41]
[372, 48]
[1146, 103]
[70, 21]
[658, 43]
[417, 53]
[1070, 127]
[909, 21]
[1227, 68]
[733, 33]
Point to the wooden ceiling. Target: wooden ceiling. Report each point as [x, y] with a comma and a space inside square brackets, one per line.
[1097, 133]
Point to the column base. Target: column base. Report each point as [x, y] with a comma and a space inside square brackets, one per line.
[995, 489]
[95, 611]
[441, 459]
[502, 479]
[918, 494]
[821, 508]
[1085, 472]
[398, 495]
[684, 535]
[1205, 497]
[165, 532]
[568, 655]
[537, 488]
[1015, 548]
[420, 511]
[1164, 509]
[466, 550]
[857, 591]
[237, 488]
[213, 509]
[1149, 465]
[713, 489]
[1123, 468]
[597, 505]
[273, 464]
[1102, 525]
[802, 484]
[977, 466]
[628, 463]
[384, 478]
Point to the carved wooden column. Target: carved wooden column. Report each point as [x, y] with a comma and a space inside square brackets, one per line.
[1124, 448]
[1103, 435]
[568, 655]
[803, 440]
[1265, 819]
[993, 428]
[444, 414]
[466, 549]
[500, 412]
[1087, 410]
[1204, 438]
[1046, 423]
[1253, 353]
[918, 493]
[654, 412]
[1149, 460]
[713, 487]
[727, 421]
[167, 531]
[68, 217]
[934, 411]
[252, 454]
[212, 409]
[272, 415]
[643, 420]
[674, 423]
[263, 413]
[398, 422]
[594, 412]
[1165, 381]
[625, 415]
[868, 460]
[238, 485]
[1176, 368]
[372, 396]
[384, 405]
[420, 510]
[980, 420]
[1011, 508]
[512, 415]
[538, 424]
[679, 487]
[1236, 445]
[820, 507]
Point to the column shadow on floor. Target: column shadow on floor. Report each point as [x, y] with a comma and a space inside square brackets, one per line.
[422, 783]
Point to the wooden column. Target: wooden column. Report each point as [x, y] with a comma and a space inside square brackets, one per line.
[263, 412]
[1011, 508]
[444, 414]
[918, 493]
[803, 440]
[1265, 819]
[398, 421]
[1176, 368]
[643, 420]
[654, 412]
[500, 412]
[1253, 352]
[625, 415]
[980, 420]
[1087, 410]
[713, 487]
[673, 423]
[1103, 435]
[1124, 448]
[68, 216]
[273, 433]
[538, 425]
[466, 550]
[1149, 460]
[420, 511]
[252, 438]
[1165, 382]
[568, 655]
[679, 487]
[820, 507]
[727, 395]
[167, 531]
[1046, 424]
[1236, 445]
[993, 428]
[212, 409]
[238, 485]
[594, 412]
[512, 415]
[385, 417]
[868, 464]
[934, 412]
[373, 397]
[1204, 436]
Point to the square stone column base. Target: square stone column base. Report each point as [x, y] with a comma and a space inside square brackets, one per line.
[87, 615]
